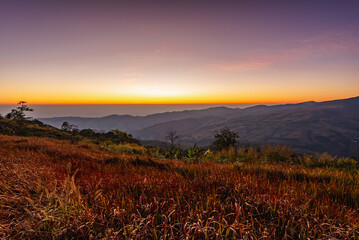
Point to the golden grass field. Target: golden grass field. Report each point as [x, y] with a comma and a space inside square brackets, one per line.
[59, 189]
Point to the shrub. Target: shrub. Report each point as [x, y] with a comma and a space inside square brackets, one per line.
[224, 139]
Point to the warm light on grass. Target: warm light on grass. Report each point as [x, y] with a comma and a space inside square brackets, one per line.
[51, 188]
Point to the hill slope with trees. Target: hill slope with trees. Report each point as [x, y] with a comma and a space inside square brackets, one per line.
[314, 126]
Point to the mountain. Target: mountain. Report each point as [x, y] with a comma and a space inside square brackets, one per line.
[130, 123]
[315, 126]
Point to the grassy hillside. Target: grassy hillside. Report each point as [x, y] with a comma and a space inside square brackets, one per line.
[57, 189]
[31, 128]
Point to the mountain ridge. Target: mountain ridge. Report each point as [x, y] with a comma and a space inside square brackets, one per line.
[316, 126]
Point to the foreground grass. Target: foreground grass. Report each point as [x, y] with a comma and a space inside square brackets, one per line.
[55, 189]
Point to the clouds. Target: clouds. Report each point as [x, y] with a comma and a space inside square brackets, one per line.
[252, 63]
[327, 44]
[130, 76]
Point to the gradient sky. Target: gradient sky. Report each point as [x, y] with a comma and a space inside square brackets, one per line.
[124, 52]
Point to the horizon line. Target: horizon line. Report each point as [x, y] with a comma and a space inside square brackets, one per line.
[183, 103]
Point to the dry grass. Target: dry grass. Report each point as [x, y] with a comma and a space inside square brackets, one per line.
[54, 189]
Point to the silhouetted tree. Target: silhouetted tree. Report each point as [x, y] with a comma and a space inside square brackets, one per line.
[224, 139]
[172, 137]
[65, 126]
[19, 114]
[69, 127]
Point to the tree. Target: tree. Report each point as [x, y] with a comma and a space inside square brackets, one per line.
[65, 126]
[118, 137]
[18, 114]
[172, 137]
[224, 139]
[87, 133]
[69, 127]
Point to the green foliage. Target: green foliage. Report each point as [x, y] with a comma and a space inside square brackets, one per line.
[31, 128]
[224, 156]
[278, 154]
[325, 160]
[89, 133]
[10, 126]
[114, 136]
[224, 139]
[6, 126]
[173, 153]
[177, 154]
[118, 136]
[194, 153]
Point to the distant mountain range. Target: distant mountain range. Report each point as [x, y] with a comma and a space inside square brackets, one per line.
[315, 126]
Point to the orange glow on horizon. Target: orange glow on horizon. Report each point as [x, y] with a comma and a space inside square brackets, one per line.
[120, 53]
[143, 101]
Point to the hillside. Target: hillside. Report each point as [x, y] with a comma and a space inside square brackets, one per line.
[315, 126]
[322, 127]
[57, 189]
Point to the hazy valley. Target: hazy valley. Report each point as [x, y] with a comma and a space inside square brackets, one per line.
[315, 126]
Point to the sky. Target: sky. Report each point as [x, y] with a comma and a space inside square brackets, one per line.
[178, 52]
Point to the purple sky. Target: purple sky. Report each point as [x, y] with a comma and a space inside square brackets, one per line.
[178, 51]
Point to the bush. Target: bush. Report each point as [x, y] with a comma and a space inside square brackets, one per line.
[224, 139]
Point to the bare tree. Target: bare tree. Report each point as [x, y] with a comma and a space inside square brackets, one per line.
[172, 137]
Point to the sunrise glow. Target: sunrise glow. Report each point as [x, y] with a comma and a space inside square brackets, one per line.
[233, 52]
